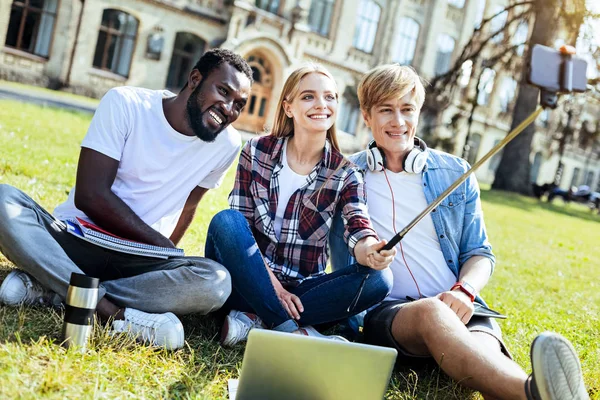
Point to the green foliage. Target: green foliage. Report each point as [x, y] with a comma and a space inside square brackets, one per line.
[545, 279]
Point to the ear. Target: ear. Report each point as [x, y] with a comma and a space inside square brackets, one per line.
[194, 79]
[366, 118]
[287, 108]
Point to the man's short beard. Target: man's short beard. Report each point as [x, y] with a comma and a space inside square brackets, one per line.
[195, 116]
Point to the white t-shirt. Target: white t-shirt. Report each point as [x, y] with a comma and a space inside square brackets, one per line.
[288, 183]
[158, 166]
[421, 246]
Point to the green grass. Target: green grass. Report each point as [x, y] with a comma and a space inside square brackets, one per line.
[546, 278]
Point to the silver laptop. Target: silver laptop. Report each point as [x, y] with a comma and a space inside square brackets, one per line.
[285, 366]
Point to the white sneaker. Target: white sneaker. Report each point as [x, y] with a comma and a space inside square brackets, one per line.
[162, 330]
[311, 331]
[236, 327]
[556, 369]
[20, 288]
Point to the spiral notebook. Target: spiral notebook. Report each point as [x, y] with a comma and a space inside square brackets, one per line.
[98, 236]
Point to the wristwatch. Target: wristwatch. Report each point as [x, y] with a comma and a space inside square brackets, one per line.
[466, 288]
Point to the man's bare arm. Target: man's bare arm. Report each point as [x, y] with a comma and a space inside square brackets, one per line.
[187, 215]
[96, 173]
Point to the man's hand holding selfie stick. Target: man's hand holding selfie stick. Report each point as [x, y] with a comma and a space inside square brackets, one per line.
[550, 70]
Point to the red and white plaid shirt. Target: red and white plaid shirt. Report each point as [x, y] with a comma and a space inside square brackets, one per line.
[301, 250]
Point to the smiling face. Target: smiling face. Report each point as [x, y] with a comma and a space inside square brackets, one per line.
[313, 109]
[217, 101]
[394, 123]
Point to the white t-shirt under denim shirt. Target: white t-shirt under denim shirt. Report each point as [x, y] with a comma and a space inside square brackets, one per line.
[421, 245]
[158, 166]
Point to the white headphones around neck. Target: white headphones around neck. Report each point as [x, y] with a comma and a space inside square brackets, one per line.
[414, 162]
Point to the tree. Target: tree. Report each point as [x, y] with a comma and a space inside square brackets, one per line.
[483, 51]
[514, 168]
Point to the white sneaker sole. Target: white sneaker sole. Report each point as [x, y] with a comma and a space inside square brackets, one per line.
[226, 340]
[5, 288]
[551, 352]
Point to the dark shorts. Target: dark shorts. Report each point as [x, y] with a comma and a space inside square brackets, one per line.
[378, 332]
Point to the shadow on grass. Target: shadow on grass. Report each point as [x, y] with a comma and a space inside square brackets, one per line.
[521, 202]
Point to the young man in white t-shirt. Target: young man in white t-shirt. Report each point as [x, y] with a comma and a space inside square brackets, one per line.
[444, 262]
[147, 160]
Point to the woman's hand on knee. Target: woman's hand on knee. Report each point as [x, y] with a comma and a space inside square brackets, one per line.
[291, 303]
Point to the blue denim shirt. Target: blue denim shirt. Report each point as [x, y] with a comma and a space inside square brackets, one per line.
[458, 220]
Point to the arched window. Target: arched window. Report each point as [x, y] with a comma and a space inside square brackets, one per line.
[366, 25]
[186, 52]
[271, 6]
[404, 51]
[319, 16]
[486, 85]
[31, 26]
[445, 48]
[349, 113]
[116, 40]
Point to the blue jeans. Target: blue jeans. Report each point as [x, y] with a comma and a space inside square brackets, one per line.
[326, 298]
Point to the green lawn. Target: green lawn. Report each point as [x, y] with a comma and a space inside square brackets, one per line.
[546, 278]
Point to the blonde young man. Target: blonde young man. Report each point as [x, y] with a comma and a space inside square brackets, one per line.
[444, 262]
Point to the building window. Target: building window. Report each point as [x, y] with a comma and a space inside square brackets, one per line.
[575, 178]
[474, 143]
[520, 37]
[348, 116]
[589, 178]
[507, 93]
[535, 167]
[186, 52]
[271, 6]
[480, 12]
[466, 70]
[366, 25]
[457, 3]
[31, 26]
[404, 51]
[495, 160]
[445, 47]
[486, 85]
[116, 41]
[497, 24]
[319, 16]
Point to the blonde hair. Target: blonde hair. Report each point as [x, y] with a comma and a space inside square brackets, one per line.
[391, 81]
[283, 126]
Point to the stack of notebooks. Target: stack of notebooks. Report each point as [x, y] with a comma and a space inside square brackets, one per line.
[98, 236]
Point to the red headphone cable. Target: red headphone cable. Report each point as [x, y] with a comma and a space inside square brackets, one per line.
[394, 227]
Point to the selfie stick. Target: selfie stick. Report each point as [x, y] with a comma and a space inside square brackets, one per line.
[548, 98]
[400, 235]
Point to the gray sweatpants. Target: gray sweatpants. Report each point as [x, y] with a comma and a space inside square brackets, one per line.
[39, 244]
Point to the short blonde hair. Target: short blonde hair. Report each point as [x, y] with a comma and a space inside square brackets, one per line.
[283, 126]
[390, 81]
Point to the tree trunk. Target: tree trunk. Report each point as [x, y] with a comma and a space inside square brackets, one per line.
[514, 168]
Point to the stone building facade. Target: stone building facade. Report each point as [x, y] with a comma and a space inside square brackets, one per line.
[90, 46]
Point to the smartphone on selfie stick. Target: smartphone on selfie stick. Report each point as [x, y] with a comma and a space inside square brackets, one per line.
[554, 72]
